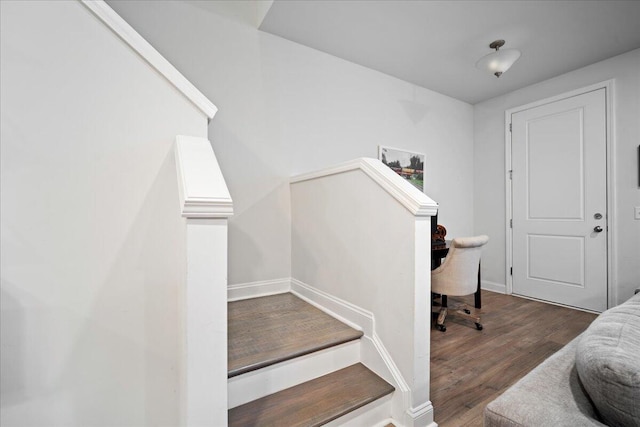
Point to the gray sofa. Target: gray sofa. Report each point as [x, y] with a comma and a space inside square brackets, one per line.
[592, 381]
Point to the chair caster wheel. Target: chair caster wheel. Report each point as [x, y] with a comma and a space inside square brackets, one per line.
[479, 326]
[466, 310]
[441, 328]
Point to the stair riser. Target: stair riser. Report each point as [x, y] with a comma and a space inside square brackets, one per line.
[256, 384]
[374, 414]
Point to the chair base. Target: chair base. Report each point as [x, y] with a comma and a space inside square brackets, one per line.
[463, 311]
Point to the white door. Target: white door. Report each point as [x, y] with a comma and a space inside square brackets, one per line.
[559, 201]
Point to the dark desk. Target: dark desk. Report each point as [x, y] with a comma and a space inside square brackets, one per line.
[440, 250]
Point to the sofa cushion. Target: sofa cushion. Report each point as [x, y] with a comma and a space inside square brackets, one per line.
[608, 363]
[549, 395]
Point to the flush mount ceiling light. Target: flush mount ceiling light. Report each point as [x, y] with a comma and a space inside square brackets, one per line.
[499, 61]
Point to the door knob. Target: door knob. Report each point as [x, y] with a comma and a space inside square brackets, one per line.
[597, 229]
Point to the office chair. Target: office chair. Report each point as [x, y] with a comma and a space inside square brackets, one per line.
[458, 276]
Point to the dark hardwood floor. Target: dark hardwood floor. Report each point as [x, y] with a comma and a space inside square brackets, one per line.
[470, 368]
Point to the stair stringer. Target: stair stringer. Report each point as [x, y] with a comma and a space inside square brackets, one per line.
[373, 353]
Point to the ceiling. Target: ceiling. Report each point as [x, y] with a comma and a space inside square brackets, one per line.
[435, 44]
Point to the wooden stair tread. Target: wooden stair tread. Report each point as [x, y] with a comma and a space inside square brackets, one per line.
[268, 330]
[315, 402]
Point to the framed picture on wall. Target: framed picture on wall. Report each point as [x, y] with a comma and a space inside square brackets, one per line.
[407, 164]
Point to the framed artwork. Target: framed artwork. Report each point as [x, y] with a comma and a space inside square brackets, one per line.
[407, 164]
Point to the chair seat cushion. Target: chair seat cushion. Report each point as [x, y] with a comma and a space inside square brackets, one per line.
[608, 363]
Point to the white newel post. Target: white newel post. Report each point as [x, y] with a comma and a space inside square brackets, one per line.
[206, 204]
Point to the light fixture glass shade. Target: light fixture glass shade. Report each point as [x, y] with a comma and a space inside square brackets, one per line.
[499, 61]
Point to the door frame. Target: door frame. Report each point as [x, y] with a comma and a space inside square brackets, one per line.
[608, 86]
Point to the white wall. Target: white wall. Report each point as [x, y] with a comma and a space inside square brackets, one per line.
[93, 256]
[286, 109]
[489, 200]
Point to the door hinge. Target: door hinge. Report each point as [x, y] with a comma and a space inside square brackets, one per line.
[511, 271]
[511, 174]
[510, 127]
[510, 223]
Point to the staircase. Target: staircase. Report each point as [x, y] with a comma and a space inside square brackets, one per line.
[291, 364]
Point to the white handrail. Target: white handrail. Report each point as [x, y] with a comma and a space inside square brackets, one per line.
[130, 36]
[418, 203]
[203, 191]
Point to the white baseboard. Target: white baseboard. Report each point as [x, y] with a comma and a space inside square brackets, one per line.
[421, 416]
[263, 288]
[344, 311]
[494, 287]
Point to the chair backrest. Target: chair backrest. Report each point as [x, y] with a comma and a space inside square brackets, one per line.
[458, 274]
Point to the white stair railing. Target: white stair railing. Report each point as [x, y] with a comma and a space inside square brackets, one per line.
[361, 236]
